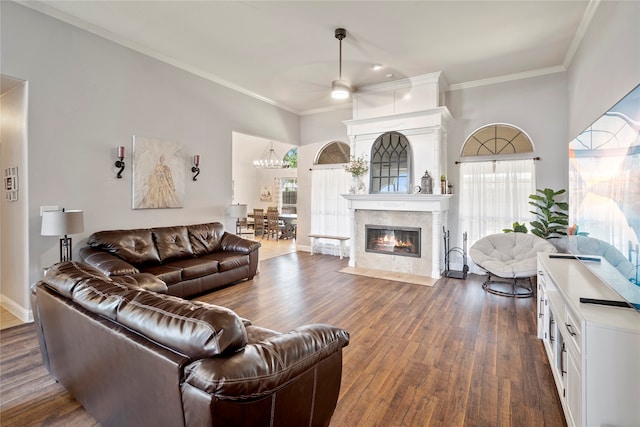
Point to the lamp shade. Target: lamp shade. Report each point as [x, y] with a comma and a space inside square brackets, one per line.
[237, 211]
[61, 223]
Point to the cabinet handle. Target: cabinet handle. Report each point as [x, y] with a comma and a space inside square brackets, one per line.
[562, 353]
[541, 308]
[570, 330]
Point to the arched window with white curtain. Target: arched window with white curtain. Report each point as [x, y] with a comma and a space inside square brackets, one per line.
[329, 180]
[495, 181]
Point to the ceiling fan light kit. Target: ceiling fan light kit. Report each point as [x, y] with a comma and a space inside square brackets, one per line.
[340, 89]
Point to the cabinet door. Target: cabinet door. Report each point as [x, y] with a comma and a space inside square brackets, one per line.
[573, 389]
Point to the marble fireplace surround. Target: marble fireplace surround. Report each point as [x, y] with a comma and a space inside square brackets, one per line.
[427, 211]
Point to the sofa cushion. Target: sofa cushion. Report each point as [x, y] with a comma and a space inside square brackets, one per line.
[65, 276]
[205, 238]
[192, 268]
[167, 273]
[228, 260]
[196, 329]
[172, 243]
[107, 263]
[134, 246]
[146, 281]
[102, 297]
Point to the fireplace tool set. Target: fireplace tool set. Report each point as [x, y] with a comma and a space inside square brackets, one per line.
[462, 252]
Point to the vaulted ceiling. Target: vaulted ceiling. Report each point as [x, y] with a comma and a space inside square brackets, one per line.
[285, 52]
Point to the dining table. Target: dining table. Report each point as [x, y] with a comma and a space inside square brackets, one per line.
[288, 219]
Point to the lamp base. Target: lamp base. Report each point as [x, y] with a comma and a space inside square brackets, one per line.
[65, 249]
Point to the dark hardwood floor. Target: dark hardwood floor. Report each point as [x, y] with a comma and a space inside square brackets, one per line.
[448, 355]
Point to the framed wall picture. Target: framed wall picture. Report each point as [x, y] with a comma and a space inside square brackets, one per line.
[11, 183]
[159, 171]
[266, 194]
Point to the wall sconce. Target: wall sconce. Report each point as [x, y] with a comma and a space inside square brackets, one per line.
[196, 169]
[120, 163]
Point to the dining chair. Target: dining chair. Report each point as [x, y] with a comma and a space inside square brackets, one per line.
[258, 222]
[274, 225]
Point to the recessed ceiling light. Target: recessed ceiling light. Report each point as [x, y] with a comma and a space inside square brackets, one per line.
[389, 75]
[376, 67]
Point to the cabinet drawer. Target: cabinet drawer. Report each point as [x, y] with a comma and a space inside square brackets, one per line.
[574, 330]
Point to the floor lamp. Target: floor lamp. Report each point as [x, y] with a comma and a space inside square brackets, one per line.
[62, 223]
[238, 211]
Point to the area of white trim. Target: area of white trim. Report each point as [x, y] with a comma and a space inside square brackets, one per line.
[16, 309]
[580, 32]
[510, 77]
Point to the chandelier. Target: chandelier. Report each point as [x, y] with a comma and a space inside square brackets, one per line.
[270, 161]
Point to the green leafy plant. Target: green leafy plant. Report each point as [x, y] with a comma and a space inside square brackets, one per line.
[552, 215]
[517, 228]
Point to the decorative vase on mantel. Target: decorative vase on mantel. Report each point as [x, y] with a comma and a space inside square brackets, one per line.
[357, 186]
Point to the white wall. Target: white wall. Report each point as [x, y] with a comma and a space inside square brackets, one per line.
[14, 289]
[606, 65]
[89, 95]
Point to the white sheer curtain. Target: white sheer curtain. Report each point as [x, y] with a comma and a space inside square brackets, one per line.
[329, 213]
[495, 194]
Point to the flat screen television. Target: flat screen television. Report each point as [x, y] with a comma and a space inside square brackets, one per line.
[604, 197]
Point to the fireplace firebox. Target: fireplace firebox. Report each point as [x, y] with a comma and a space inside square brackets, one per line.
[403, 241]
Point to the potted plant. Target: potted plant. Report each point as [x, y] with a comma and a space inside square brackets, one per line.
[552, 215]
[357, 167]
[517, 228]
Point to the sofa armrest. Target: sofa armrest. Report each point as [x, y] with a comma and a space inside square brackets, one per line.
[265, 366]
[107, 263]
[231, 242]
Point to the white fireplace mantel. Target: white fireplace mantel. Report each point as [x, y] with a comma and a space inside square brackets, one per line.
[399, 202]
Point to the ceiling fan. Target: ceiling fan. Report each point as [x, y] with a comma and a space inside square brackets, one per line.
[340, 89]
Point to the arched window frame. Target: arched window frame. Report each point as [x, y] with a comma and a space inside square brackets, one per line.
[337, 146]
[390, 174]
[497, 146]
[495, 183]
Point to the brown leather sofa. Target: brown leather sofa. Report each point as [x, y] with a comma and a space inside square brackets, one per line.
[189, 259]
[133, 357]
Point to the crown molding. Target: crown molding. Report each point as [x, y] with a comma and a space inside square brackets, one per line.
[507, 78]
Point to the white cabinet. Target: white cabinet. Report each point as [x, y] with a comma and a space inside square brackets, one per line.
[593, 350]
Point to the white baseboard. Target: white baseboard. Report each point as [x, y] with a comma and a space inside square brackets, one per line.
[25, 315]
[303, 248]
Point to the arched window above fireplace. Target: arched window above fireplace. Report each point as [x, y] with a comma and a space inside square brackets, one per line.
[390, 168]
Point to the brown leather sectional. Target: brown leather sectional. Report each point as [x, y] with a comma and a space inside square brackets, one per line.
[134, 357]
[189, 259]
